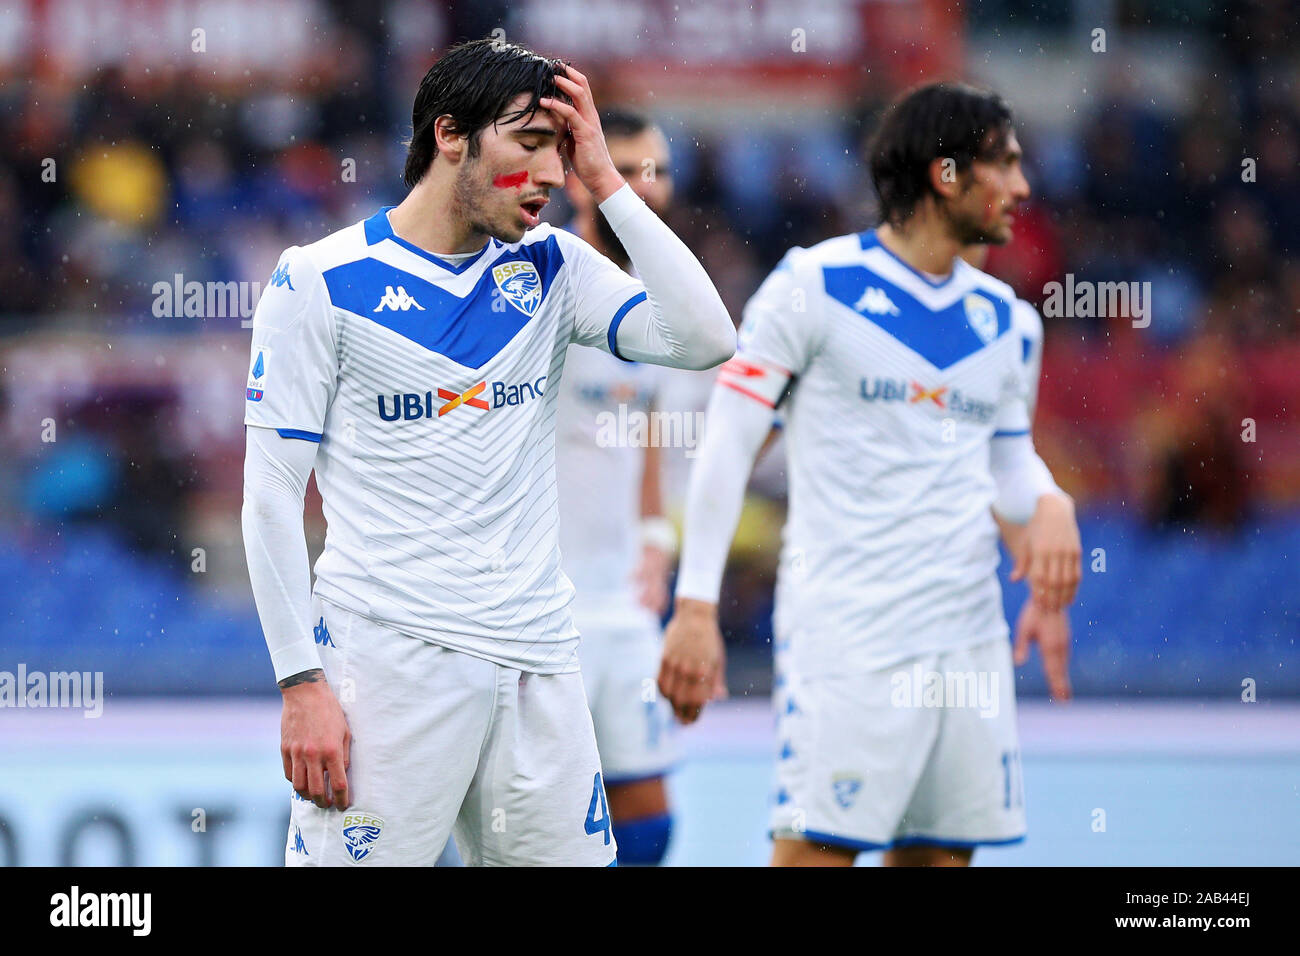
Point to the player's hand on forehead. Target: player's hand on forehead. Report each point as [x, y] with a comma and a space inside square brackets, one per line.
[585, 142]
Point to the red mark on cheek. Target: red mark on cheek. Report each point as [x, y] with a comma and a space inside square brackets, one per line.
[514, 179]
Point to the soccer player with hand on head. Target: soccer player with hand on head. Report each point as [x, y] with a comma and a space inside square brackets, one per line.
[430, 679]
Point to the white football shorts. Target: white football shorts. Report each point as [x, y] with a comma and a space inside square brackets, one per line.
[634, 724]
[923, 753]
[445, 744]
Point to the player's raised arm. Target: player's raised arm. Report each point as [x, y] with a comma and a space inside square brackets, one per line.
[681, 321]
[292, 380]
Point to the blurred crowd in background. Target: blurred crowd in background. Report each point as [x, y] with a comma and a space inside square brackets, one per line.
[180, 171]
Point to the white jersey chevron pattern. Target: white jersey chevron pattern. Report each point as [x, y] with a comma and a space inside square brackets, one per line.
[435, 415]
[897, 385]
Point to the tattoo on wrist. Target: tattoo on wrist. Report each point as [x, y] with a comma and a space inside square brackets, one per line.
[313, 676]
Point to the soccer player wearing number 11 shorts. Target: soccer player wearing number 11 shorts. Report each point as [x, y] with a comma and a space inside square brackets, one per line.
[900, 375]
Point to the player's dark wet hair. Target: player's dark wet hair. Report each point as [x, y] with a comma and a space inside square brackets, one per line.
[937, 121]
[623, 122]
[473, 83]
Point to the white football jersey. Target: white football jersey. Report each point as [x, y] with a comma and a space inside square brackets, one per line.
[430, 386]
[602, 429]
[897, 385]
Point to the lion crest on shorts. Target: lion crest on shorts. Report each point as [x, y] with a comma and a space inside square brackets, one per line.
[361, 831]
[846, 787]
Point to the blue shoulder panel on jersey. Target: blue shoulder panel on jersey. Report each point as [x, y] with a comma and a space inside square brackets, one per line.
[942, 338]
[466, 330]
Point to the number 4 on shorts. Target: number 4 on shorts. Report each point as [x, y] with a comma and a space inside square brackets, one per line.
[601, 824]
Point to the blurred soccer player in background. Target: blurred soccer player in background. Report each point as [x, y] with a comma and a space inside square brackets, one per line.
[431, 682]
[902, 383]
[616, 544]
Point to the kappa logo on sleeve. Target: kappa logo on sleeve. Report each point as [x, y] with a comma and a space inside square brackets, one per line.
[280, 277]
[257, 375]
[361, 831]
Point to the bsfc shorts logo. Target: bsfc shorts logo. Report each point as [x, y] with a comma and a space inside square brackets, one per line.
[361, 831]
[846, 787]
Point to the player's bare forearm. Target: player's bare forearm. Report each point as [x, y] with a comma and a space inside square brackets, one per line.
[652, 505]
[768, 442]
[651, 578]
[658, 538]
[696, 609]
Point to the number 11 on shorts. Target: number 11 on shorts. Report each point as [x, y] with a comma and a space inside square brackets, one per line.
[1013, 784]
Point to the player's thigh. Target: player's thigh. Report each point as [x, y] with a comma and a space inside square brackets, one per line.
[633, 723]
[418, 714]
[972, 791]
[538, 798]
[850, 751]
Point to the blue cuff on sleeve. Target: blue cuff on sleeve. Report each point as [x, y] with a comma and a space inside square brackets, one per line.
[618, 320]
[297, 433]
